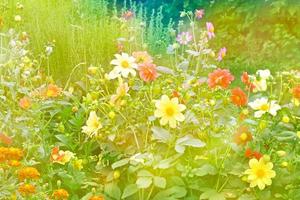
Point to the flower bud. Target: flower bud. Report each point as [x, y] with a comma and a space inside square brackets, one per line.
[281, 153]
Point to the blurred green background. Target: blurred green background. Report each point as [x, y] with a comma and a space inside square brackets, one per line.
[257, 33]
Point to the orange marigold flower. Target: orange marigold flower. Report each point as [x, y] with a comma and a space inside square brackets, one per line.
[26, 189]
[296, 92]
[25, 103]
[238, 97]
[14, 163]
[14, 154]
[96, 198]
[142, 57]
[28, 173]
[148, 72]
[60, 194]
[220, 77]
[242, 136]
[52, 91]
[3, 153]
[5, 139]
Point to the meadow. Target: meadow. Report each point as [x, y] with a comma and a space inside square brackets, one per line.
[110, 100]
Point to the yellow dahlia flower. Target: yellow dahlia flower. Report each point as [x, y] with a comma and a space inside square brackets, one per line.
[169, 110]
[260, 173]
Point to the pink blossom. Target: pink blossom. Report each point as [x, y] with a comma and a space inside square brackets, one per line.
[184, 38]
[210, 30]
[199, 13]
[222, 53]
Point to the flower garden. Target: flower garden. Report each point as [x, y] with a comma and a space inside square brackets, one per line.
[143, 126]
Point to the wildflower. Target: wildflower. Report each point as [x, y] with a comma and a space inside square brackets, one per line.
[124, 65]
[93, 125]
[253, 154]
[281, 153]
[60, 156]
[284, 164]
[222, 53]
[25, 103]
[18, 18]
[127, 15]
[169, 110]
[220, 77]
[14, 163]
[96, 198]
[260, 173]
[199, 13]
[285, 119]
[78, 164]
[148, 72]
[5, 139]
[296, 92]
[264, 74]
[263, 106]
[210, 30]
[48, 50]
[26, 189]
[3, 153]
[28, 173]
[242, 135]
[184, 38]
[259, 85]
[60, 194]
[120, 92]
[238, 97]
[14, 153]
[19, 6]
[52, 91]
[142, 57]
[246, 80]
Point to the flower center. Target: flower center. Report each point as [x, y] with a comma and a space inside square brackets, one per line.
[95, 124]
[260, 173]
[243, 136]
[170, 111]
[125, 64]
[265, 107]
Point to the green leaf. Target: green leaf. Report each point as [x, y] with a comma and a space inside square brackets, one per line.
[212, 194]
[206, 169]
[144, 173]
[172, 193]
[144, 182]
[120, 163]
[112, 190]
[161, 134]
[159, 182]
[129, 190]
[187, 140]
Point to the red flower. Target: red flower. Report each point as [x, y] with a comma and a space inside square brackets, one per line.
[246, 80]
[5, 139]
[296, 92]
[147, 72]
[220, 77]
[252, 154]
[238, 97]
[242, 136]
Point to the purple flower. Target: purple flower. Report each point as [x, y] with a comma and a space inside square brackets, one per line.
[199, 13]
[210, 30]
[184, 38]
[222, 53]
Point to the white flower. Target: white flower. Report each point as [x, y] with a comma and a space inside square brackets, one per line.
[124, 65]
[260, 85]
[48, 50]
[263, 106]
[264, 74]
[93, 125]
